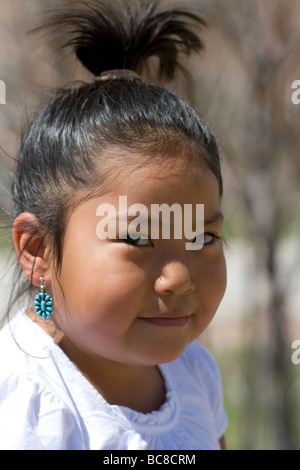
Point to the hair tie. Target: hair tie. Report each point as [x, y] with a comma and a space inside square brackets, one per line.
[118, 73]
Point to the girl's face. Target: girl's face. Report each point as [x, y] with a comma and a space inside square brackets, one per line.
[141, 301]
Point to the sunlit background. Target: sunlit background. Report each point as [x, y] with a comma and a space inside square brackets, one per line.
[243, 86]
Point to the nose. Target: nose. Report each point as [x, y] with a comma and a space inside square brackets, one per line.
[175, 279]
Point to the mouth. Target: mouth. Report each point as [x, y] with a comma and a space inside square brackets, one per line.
[167, 321]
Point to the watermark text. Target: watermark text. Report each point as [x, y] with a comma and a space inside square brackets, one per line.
[296, 354]
[136, 222]
[296, 93]
[2, 92]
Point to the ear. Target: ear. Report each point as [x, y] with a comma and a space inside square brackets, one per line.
[31, 248]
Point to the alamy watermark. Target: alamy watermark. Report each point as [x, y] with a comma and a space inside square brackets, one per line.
[2, 92]
[296, 354]
[296, 94]
[135, 221]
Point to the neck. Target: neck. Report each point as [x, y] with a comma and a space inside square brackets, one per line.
[138, 387]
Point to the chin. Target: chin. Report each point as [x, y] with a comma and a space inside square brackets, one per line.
[166, 355]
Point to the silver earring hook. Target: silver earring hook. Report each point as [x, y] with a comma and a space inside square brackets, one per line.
[42, 283]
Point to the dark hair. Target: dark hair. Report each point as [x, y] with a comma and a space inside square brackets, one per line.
[68, 145]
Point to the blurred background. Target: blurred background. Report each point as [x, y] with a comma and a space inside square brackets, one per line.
[243, 86]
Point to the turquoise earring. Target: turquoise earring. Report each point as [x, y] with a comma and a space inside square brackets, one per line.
[43, 304]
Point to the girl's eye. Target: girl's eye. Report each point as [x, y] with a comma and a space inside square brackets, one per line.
[209, 238]
[143, 240]
[205, 239]
[140, 241]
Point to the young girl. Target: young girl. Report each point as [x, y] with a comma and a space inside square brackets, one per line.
[107, 356]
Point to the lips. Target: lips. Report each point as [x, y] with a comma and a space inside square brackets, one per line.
[167, 320]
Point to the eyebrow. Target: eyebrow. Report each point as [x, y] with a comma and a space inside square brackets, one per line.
[130, 218]
[216, 217]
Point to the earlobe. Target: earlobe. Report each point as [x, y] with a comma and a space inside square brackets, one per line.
[30, 248]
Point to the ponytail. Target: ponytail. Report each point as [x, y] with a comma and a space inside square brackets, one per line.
[124, 34]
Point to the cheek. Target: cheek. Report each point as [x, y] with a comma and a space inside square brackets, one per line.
[212, 282]
[220, 277]
[100, 286]
[211, 288]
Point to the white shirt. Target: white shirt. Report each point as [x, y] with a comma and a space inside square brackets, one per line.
[47, 404]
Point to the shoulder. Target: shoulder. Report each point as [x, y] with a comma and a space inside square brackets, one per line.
[204, 372]
[198, 359]
[20, 347]
[33, 417]
[195, 377]
[196, 370]
[30, 392]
